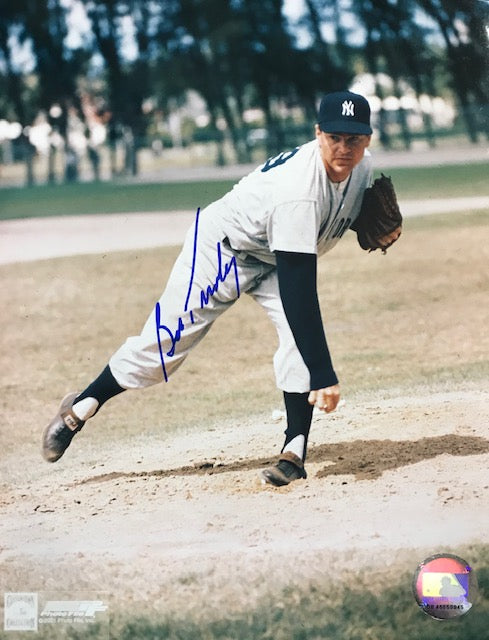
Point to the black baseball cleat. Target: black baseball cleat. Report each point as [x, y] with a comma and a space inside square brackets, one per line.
[59, 433]
[289, 467]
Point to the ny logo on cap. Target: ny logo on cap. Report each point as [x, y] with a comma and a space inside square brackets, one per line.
[348, 108]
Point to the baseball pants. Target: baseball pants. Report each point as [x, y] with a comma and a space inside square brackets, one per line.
[207, 278]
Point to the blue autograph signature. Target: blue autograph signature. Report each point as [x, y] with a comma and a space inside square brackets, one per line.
[223, 270]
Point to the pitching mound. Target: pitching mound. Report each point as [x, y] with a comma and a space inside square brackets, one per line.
[165, 523]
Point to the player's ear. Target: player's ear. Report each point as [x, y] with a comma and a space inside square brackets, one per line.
[369, 138]
[317, 130]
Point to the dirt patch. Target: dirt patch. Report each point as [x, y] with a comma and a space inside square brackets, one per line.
[362, 458]
[159, 502]
[184, 524]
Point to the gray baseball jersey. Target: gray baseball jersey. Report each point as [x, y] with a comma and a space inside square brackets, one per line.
[287, 204]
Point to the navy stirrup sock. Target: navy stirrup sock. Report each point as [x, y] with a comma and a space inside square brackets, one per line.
[102, 389]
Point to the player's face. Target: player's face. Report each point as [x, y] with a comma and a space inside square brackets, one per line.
[341, 152]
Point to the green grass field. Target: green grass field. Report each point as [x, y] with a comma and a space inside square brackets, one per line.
[118, 197]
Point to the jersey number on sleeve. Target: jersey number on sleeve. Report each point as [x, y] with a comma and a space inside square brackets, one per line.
[271, 163]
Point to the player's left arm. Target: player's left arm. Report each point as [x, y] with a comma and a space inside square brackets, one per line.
[297, 277]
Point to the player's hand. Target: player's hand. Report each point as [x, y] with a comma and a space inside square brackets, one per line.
[325, 399]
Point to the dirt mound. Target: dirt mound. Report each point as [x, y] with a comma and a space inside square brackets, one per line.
[166, 518]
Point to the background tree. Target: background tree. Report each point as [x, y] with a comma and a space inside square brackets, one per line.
[462, 24]
[239, 54]
[57, 69]
[322, 66]
[129, 81]
[16, 100]
[208, 53]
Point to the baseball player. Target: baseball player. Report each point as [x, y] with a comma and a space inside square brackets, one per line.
[262, 238]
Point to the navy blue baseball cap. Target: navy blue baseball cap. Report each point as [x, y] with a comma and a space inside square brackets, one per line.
[344, 112]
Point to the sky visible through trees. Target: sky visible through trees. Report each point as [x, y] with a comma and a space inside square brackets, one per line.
[127, 67]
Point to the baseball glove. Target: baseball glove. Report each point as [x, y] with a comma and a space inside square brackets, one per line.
[379, 215]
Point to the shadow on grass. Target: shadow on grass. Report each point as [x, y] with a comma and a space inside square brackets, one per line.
[364, 459]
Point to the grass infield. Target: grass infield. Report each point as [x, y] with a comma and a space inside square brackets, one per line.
[118, 197]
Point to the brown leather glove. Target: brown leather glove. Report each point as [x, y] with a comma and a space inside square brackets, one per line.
[379, 215]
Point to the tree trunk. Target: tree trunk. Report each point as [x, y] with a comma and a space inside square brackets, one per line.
[51, 164]
[28, 152]
[401, 113]
[245, 148]
[234, 132]
[220, 157]
[71, 165]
